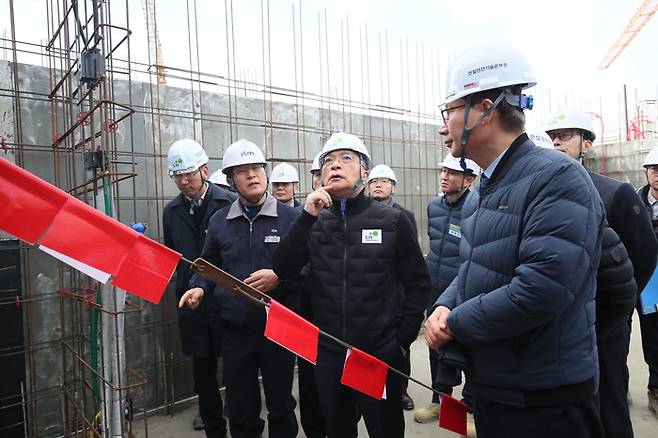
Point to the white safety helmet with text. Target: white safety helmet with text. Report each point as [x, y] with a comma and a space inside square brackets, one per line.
[242, 152]
[185, 156]
[382, 171]
[284, 173]
[489, 66]
[569, 118]
[540, 138]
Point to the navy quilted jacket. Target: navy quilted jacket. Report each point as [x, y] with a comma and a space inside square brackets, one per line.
[444, 231]
[523, 301]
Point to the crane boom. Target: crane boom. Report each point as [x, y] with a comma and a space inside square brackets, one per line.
[642, 15]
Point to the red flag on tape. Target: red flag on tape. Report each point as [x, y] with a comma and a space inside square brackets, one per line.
[87, 235]
[365, 373]
[292, 332]
[29, 204]
[453, 414]
[147, 269]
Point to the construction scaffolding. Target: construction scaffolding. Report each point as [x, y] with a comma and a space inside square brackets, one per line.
[85, 106]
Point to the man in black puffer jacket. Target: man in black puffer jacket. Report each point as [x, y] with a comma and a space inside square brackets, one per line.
[572, 133]
[522, 305]
[371, 286]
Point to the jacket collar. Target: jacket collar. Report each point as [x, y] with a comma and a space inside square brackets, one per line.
[213, 192]
[521, 142]
[352, 205]
[269, 208]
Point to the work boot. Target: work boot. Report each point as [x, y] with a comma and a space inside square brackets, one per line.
[652, 395]
[197, 423]
[407, 402]
[427, 414]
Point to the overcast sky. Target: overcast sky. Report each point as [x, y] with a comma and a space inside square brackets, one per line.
[565, 40]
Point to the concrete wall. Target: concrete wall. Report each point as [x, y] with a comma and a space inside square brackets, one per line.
[152, 343]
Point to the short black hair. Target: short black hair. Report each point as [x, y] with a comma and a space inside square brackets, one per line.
[512, 118]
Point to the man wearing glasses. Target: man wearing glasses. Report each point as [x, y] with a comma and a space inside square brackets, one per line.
[185, 221]
[371, 285]
[572, 133]
[522, 303]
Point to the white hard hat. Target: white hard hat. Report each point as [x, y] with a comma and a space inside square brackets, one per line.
[540, 138]
[382, 171]
[218, 177]
[453, 163]
[242, 152]
[315, 167]
[284, 173]
[185, 156]
[343, 140]
[485, 67]
[651, 158]
[571, 119]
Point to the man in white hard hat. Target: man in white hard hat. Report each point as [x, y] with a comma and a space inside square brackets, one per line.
[382, 184]
[285, 184]
[522, 304]
[444, 231]
[240, 240]
[649, 323]
[572, 133]
[219, 178]
[371, 285]
[185, 221]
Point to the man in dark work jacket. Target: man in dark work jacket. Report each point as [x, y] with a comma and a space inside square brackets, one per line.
[371, 285]
[185, 221]
[572, 133]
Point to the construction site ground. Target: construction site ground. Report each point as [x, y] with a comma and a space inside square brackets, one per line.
[645, 423]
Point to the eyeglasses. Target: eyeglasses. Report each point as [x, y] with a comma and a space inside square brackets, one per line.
[248, 169]
[445, 112]
[343, 157]
[564, 134]
[186, 175]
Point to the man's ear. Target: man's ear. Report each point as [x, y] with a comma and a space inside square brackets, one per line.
[587, 146]
[485, 104]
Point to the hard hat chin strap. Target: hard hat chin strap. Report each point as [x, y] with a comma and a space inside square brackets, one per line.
[517, 100]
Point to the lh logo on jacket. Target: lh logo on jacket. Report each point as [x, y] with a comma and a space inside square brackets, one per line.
[371, 236]
[455, 230]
